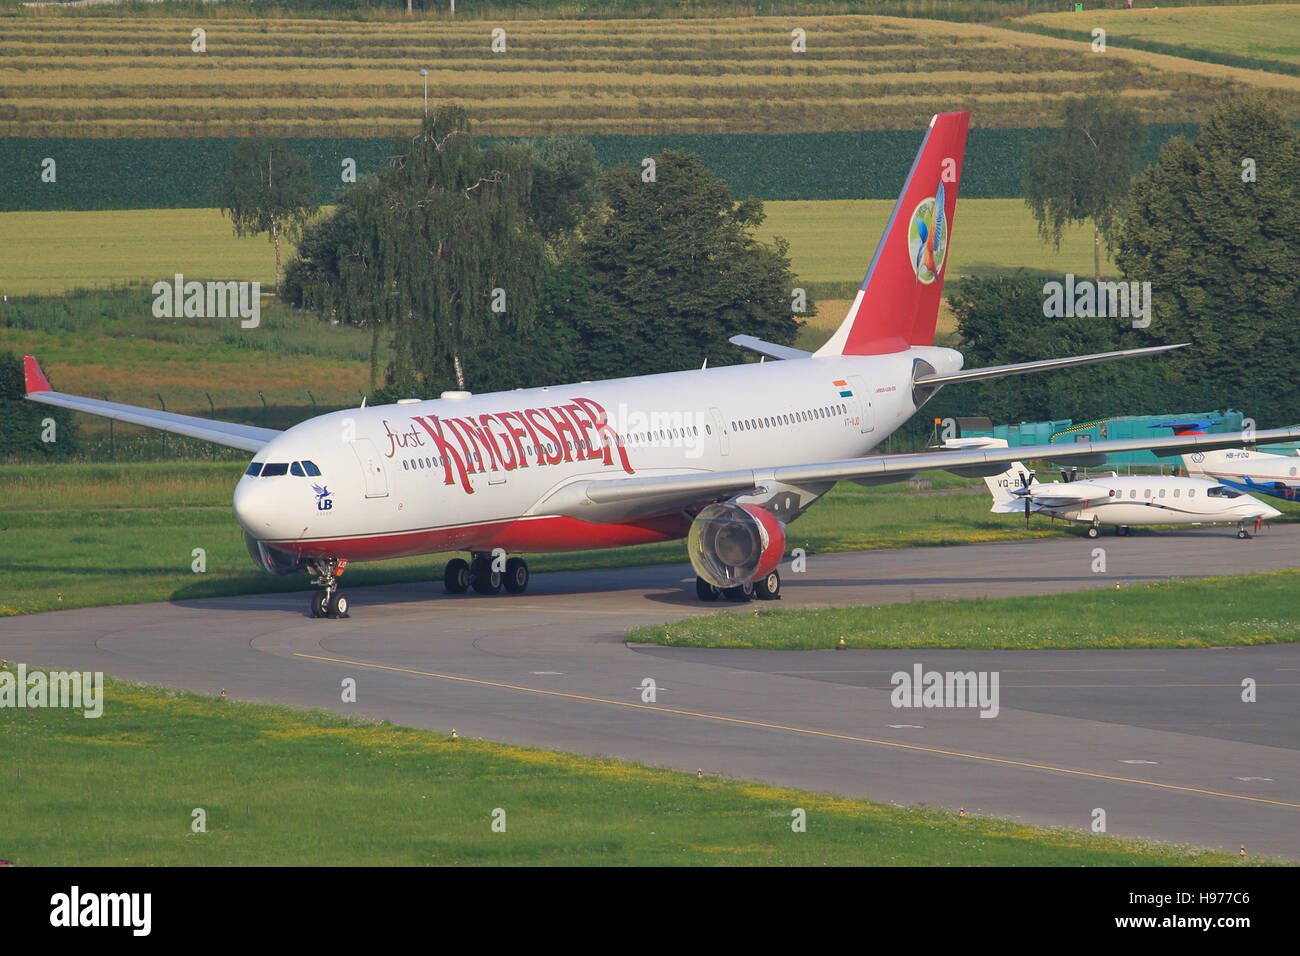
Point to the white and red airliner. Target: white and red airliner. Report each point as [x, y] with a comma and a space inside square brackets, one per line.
[725, 457]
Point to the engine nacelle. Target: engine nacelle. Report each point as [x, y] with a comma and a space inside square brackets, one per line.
[273, 560]
[731, 544]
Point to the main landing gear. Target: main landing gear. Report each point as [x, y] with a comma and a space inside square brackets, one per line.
[1242, 532]
[330, 601]
[1094, 529]
[483, 573]
[765, 589]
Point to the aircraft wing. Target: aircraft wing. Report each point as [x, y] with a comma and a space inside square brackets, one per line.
[1057, 495]
[627, 499]
[230, 434]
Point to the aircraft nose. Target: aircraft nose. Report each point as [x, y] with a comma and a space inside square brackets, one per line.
[253, 507]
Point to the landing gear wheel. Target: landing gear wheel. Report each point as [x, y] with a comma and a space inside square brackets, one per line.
[482, 578]
[320, 604]
[1243, 533]
[1121, 530]
[337, 606]
[516, 579]
[769, 589]
[740, 594]
[455, 577]
[1093, 531]
[706, 591]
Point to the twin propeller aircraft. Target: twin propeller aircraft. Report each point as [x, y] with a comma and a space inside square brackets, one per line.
[724, 457]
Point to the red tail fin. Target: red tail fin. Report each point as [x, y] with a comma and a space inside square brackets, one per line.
[898, 303]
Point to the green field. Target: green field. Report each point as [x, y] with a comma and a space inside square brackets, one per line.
[108, 344]
[1263, 33]
[137, 76]
[831, 241]
[1205, 612]
[124, 533]
[57, 251]
[280, 786]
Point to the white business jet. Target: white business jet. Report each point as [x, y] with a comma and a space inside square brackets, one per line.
[1120, 500]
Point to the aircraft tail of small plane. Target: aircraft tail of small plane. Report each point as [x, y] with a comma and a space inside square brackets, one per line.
[898, 304]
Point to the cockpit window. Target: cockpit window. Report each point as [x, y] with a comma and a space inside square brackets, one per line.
[312, 470]
[1218, 491]
[275, 468]
[296, 469]
[254, 469]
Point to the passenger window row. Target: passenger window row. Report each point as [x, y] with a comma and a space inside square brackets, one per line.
[790, 418]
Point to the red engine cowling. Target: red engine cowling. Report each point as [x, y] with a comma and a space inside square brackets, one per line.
[731, 544]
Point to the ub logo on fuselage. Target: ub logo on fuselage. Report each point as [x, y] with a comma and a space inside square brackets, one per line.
[323, 500]
[927, 237]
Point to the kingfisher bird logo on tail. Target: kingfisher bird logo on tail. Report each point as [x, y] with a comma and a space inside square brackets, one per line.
[898, 304]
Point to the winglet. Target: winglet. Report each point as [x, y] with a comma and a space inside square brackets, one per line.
[34, 379]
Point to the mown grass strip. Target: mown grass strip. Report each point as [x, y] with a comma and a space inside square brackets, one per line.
[281, 786]
[1205, 612]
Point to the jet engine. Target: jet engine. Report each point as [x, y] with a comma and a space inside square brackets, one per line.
[731, 545]
[273, 560]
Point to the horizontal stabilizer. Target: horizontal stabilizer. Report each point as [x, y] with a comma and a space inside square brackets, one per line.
[770, 349]
[1046, 365]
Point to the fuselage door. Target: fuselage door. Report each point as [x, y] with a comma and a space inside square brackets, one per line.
[724, 441]
[372, 466]
[865, 409]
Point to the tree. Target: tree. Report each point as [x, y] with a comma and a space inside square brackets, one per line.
[439, 248]
[1082, 173]
[268, 189]
[675, 271]
[566, 184]
[1212, 225]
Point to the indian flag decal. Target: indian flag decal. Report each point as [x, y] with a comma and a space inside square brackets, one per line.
[843, 386]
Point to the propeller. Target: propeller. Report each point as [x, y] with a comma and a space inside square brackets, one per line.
[1024, 492]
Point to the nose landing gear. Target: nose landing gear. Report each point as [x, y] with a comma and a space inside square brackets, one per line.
[330, 601]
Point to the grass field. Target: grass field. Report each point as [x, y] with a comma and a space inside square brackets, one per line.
[46, 252]
[1262, 32]
[831, 241]
[279, 786]
[123, 533]
[1206, 612]
[137, 76]
[108, 343]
